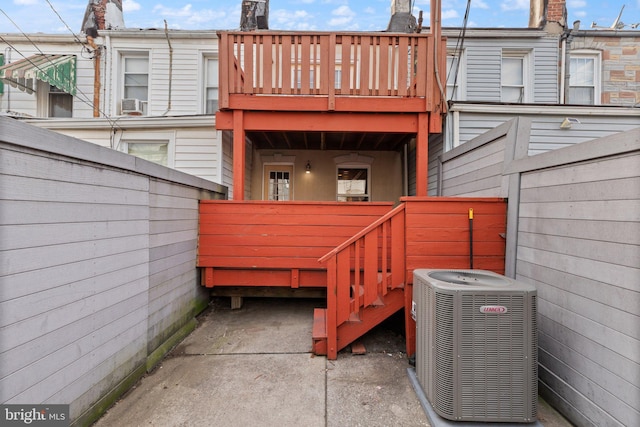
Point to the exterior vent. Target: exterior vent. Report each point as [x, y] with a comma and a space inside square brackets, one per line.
[132, 106]
[476, 345]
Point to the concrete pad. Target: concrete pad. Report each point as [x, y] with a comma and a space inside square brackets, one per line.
[371, 390]
[227, 390]
[262, 325]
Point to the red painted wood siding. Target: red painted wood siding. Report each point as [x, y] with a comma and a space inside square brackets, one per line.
[270, 240]
[437, 233]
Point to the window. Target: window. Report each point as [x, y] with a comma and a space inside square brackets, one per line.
[455, 79]
[584, 78]
[211, 85]
[156, 147]
[154, 152]
[514, 77]
[353, 184]
[136, 82]
[60, 103]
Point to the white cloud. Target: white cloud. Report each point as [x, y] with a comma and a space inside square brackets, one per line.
[515, 5]
[25, 2]
[576, 3]
[130, 6]
[298, 20]
[342, 16]
[479, 4]
[450, 14]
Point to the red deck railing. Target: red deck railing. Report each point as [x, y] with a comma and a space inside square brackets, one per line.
[362, 270]
[327, 64]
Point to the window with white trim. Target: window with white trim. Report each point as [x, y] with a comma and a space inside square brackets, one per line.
[456, 87]
[156, 147]
[60, 103]
[515, 84]
[211, 85]
[135, 83]
[584, 78]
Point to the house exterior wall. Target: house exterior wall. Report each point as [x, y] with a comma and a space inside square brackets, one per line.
[98, 267]
[26, 104]
[620, 63]
[546, 134]
[176, 95]
[482, 62]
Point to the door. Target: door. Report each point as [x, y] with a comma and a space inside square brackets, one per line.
[278, 182]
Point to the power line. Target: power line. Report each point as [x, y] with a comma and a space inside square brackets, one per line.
[65, 24]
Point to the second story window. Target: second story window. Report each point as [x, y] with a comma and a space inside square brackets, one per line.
[135, 84]
[584, 78]
[211, 85]
[455, 76]
[514, 77]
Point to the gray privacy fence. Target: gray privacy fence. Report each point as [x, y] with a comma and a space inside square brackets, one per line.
[98, 271]
[574, 233]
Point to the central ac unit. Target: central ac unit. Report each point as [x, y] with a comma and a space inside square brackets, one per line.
[132, 106]
[476, 345]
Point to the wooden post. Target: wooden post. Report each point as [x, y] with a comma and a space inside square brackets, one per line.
[97, 52]
[239, 148]
[422, 154]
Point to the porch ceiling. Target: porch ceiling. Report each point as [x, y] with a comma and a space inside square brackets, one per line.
[329, 140]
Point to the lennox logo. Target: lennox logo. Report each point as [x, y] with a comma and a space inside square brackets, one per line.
[494, 309]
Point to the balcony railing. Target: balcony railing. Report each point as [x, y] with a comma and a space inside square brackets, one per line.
[327, 65]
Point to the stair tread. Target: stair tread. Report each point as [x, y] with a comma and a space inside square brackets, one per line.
[319, 323]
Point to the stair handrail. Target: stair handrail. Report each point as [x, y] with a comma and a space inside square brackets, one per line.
[393, 212]
[338, 293]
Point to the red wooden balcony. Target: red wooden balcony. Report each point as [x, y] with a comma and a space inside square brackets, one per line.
[320, 71]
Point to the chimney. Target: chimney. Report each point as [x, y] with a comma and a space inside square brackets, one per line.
[402, 21]
[102, 15]
[254, 15]
[557, 12]
[548, 14]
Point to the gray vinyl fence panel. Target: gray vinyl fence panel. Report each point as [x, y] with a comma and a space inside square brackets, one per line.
[98, 265]
[574, 232]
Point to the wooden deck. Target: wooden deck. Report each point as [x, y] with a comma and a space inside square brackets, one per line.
[363, 254]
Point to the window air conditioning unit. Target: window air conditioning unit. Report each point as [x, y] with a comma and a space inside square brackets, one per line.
[477, 345]
[132, 106]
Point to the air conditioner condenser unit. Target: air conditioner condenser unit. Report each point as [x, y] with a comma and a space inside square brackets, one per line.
[476, 345]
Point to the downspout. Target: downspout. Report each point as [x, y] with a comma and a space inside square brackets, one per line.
[108, 65]
[166, 33]
[565, 67]
[7, 56]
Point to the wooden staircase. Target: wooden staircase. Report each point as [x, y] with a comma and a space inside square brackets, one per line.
[366, 278]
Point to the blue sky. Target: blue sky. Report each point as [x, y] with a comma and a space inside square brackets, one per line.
[32, 16]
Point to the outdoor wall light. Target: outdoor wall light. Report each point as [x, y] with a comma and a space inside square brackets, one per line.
[567, 122]
[308, 167]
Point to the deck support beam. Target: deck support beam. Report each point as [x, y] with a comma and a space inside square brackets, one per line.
[239, 154]
[422, 154]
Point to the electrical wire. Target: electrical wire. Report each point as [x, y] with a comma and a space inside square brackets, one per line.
[65, 24]
[458, 50]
